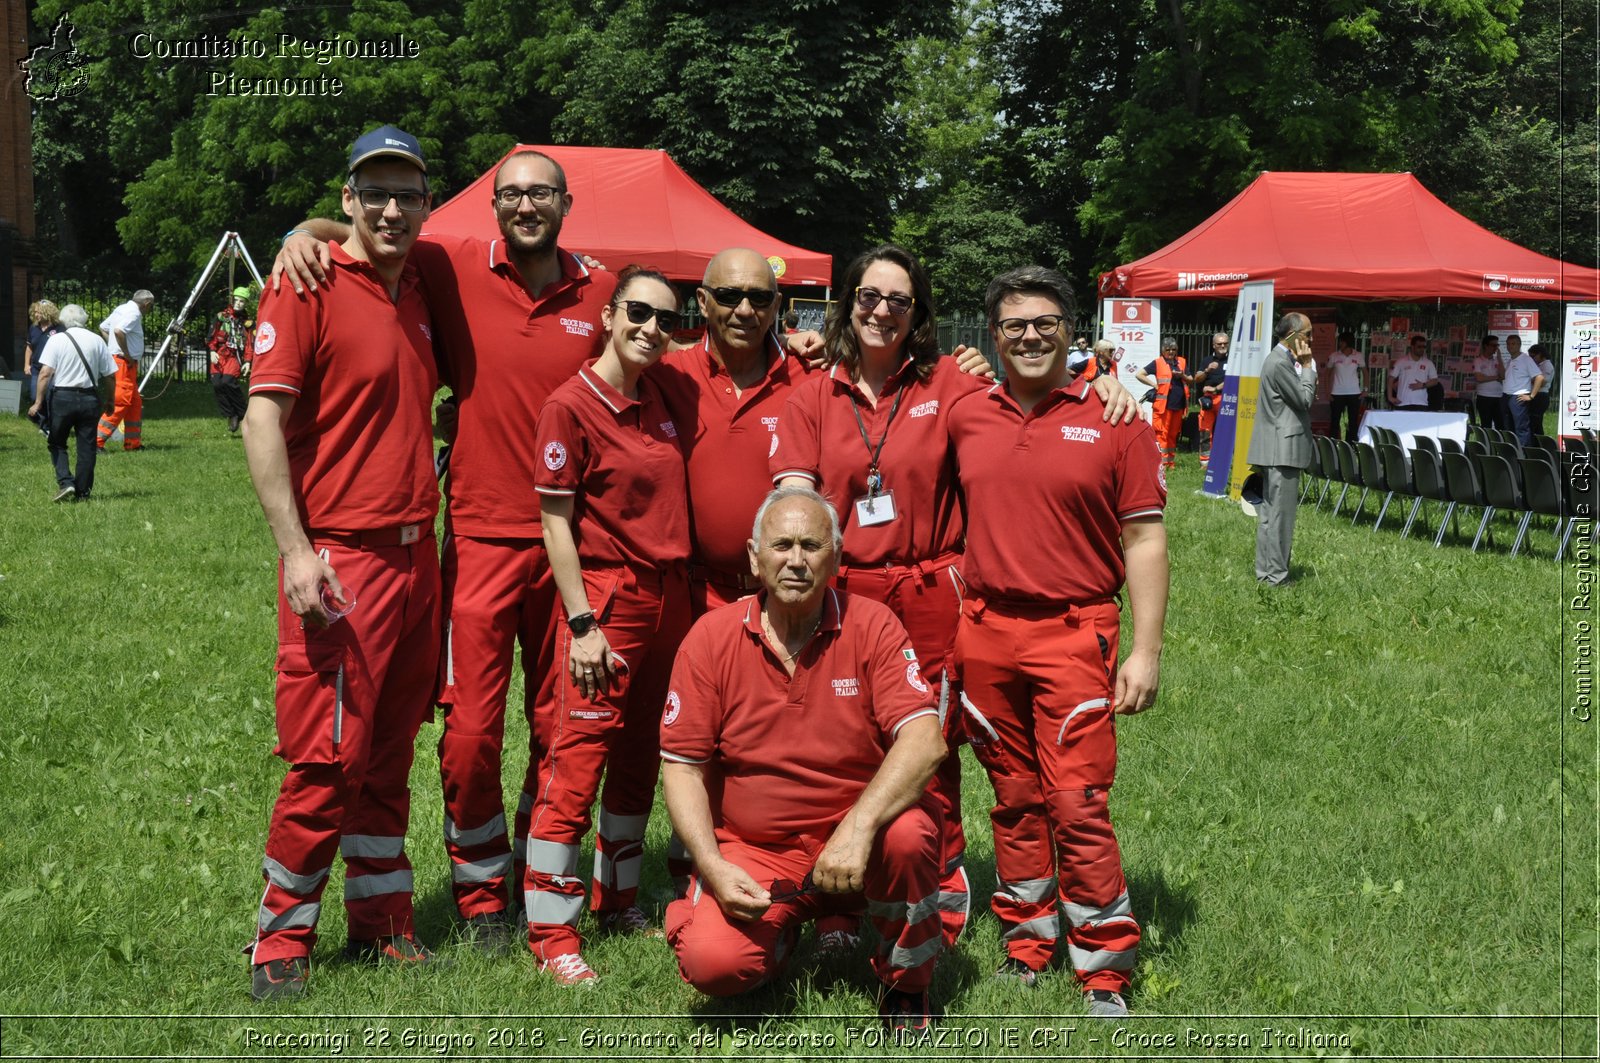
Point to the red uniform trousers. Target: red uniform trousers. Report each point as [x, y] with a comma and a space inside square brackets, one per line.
[350, 700]
[644, 614]
[925, 599]
[498, 593]
[1168, 424]
[1206, 424]
[721, 957]
[709, 588]
[127, 408]
[1037, 682]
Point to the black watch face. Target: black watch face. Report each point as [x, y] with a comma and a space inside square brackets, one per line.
[580, 625]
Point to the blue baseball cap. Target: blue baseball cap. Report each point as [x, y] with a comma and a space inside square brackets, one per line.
[387, 141]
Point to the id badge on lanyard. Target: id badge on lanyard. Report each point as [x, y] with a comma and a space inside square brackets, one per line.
[877, 505]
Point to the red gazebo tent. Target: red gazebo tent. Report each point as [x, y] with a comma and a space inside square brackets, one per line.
[634, 205]
[1374, 236]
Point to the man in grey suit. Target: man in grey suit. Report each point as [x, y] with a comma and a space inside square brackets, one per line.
[1280, 443]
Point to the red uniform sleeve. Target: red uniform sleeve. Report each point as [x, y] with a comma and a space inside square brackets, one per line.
[1141, 490]
[693, 714]
[285, 339]
[562, 451]
[797, 444]
[899, 693]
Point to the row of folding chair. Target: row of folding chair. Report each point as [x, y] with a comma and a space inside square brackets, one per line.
[1530, 484]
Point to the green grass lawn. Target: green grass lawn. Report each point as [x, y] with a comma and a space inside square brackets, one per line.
[1358, 821]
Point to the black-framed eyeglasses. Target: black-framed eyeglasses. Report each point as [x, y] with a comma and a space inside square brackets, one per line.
[782, 890]
[639, 313]
[760, 298]
[372, 198]
[869, 298]
[511, 196]
[1044, 325]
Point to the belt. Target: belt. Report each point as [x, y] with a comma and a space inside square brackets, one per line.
[86, 391]
[743, 581]
[400, 535]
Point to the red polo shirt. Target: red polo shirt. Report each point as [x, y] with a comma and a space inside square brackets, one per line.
[621, 460]
[362, 370]
[504, 352]
[727, 439]
[819, 438]
[1047, 493]
[789, 755]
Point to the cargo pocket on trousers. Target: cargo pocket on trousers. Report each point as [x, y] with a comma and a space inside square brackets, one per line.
[1088, 740]
[310, 702]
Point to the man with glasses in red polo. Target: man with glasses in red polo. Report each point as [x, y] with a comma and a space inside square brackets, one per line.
[1036, 650]
[516, 317]
[352, 511]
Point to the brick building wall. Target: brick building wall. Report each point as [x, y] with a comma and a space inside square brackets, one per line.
[19, 274]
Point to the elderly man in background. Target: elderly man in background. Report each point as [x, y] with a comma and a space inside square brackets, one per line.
[77, 371]
[1280, 443]
[123, 330]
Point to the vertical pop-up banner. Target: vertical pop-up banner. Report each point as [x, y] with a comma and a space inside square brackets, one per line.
[1230, 440]
[1134, 328]
[1580, 370]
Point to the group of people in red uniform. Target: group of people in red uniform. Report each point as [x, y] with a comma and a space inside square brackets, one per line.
[599, 496]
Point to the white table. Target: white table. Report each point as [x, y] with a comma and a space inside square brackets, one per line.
[1409, 424]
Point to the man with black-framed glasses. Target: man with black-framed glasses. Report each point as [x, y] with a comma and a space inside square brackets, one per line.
[352, 512]
[515, 318]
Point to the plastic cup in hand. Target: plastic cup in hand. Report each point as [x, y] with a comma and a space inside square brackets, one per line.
[331, 606]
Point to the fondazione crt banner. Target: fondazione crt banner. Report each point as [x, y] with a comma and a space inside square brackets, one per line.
[1230, 440]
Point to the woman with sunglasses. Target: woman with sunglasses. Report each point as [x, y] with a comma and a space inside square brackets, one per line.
[870, 436]
[613, 502]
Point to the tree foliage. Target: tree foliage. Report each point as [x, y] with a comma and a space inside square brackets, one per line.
[783, 109]
[980, 133]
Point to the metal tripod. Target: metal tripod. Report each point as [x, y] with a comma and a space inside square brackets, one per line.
[232, 246]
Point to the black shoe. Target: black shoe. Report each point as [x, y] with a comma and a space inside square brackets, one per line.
[489, 933]
[906, 1014]
[1014, 970]
[233, 424]
[399, 948]
[283, 979]
[1105, 1004]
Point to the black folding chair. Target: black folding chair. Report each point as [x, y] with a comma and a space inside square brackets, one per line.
[1450, 446]
[1466, 489]
[1349, 470]
[1308, 479]
[1502, 489]
[1372, 479]
[1427, 471]
[1328, 461]
[1399, 479]
[1477, 448]
[1510, 450]
[1541, 488]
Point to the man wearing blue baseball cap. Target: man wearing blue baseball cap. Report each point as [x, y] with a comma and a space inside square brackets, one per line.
[338, 438]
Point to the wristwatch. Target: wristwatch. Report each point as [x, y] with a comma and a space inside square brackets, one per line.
[582, 624]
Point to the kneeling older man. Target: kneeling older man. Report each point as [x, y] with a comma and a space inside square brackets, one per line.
[798, 741]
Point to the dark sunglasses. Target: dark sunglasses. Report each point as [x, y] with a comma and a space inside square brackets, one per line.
[782, 890]
[760, 298]
[869, 298]
[639, 313]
